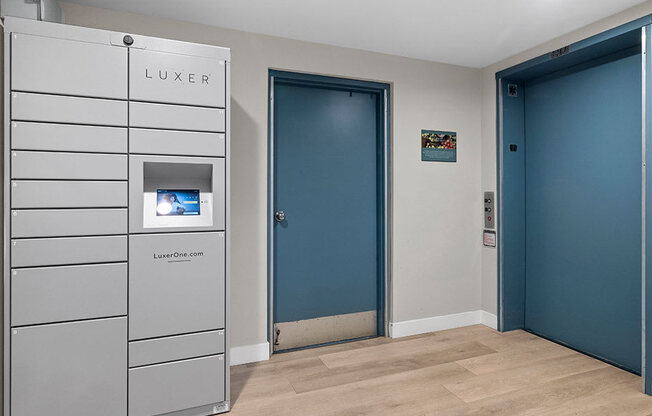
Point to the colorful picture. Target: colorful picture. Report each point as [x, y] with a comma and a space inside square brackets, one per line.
[438, 146]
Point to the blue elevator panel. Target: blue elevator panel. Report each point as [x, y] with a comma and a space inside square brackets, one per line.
[583, 210]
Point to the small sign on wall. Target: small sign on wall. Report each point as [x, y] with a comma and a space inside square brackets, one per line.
[489, 238]
[438, 146]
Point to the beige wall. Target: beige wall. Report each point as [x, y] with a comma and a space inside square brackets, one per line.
[439, 265]
[489, 177]
[436, 206]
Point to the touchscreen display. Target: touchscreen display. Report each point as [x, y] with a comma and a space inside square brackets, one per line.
[177, 202]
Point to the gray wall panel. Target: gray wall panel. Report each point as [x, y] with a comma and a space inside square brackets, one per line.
[57, 294]
[62, 109]
[70, 369]
[59, 165]
[176, 117]
[68, 137]
[193, 383]
[73, 250]
[68, 194]
[61, 66]
[67, 222]
[160, 350]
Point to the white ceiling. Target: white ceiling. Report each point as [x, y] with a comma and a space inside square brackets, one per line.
[473, 33]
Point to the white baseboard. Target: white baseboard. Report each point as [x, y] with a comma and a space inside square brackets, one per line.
[260, 352]
[489, 319]
[249, 353]
[439, 323]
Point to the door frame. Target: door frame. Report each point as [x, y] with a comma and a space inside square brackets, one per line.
[384, 174]
[632, 37]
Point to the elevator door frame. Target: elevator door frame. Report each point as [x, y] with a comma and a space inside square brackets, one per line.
[631, 38]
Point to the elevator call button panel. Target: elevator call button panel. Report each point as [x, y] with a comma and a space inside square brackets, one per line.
[489, 212]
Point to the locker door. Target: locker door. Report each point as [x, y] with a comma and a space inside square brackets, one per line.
[63, 66]
[77, 368]
[176, 284]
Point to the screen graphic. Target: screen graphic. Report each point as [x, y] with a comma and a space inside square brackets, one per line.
[177, 202]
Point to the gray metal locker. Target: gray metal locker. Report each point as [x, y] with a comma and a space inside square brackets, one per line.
[59, 165]
[64, 109]
[115, 306]
[62, 66]
[171, 387]
[176, 117]
[176, 142]
[66, 293]
[176, 284]
[201, 82]
[68, 137]
[32, 252]
[77, 368]
[68, 194]
[161, 350]
[68, 222]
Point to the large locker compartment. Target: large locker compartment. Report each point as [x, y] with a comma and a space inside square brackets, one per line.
[116, 203]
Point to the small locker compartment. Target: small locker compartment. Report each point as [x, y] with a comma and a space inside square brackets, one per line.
[161, 350]
[176, 142]
[176, 284]
[68, 137]
[34, 252]
[68, 194]
[67, 222]
[166, 388]
[176, 194]
[59, 165]
[57, 294]
[157, 76]
[176, 117]
[62, 66]
[63, 109]
[77, 368]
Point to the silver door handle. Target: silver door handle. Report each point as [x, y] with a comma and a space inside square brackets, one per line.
[279, 216]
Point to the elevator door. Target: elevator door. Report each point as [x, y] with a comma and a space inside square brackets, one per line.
[583, 210]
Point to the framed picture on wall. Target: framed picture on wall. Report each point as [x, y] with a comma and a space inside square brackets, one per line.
[438, 146]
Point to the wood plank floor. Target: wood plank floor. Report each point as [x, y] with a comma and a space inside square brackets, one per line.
[473, 371]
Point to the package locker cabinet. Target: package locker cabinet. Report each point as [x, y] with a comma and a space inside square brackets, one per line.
[113, 308]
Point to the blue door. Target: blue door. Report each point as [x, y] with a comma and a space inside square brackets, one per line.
[326, 231]
[583, 210]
